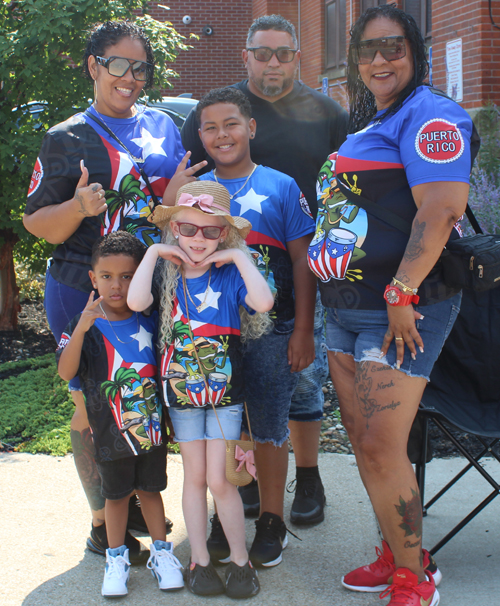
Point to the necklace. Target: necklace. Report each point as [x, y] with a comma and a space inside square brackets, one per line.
[231, 196]
[111, 326]
[202, 304]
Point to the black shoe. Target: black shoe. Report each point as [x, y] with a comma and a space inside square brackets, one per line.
[309, 502]
[203, 580]
[270, 540]
[136, 520]
[241, 581]
[217, 544]
[98, 543]
[251, 500]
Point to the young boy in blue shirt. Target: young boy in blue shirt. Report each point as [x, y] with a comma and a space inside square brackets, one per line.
[111, 349]
[282, 228]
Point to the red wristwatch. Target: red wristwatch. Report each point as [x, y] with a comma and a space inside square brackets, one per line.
[395, 296]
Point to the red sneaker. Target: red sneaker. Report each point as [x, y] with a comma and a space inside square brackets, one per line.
[378, 576]
[407, 591]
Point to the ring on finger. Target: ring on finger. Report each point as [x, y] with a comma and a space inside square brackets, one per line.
[100, 195]
[399, 338]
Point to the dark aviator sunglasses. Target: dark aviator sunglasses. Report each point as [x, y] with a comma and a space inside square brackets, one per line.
[264, 53]
[391, 48]
[119, 66]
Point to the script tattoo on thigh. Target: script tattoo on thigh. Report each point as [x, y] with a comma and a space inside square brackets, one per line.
[415, 244]
[411, 514]
[363, 385]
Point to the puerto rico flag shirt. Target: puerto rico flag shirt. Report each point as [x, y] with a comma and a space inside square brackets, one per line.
[118, 372]
[216, 334]
[355, 254]
[279, 213]
[150, 135]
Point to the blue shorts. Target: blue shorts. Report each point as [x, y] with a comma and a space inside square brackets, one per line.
[147, 472]
[201, 423]
[62, 303]
[308, 398]
[269, 384]
[360, 333]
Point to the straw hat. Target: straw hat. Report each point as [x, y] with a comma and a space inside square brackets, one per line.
[207, 198]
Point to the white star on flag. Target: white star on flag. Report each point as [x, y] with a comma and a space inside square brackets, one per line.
[212, 298]
[143, 338]
[149, 144]
[250, 201]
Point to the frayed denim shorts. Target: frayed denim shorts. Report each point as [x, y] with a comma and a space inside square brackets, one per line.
[360, 333]
[192, 424]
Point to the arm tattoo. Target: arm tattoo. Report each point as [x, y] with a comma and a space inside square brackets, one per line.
[415, 244]
[82, 210]
[411, 514]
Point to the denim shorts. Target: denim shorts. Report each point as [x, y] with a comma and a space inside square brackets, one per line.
[360, 333]
[201, 423]
[146, 472]
[269, 384]
[62, 303]
[308, 398]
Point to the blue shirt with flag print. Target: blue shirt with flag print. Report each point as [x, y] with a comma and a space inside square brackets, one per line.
[216, 333]
[279, 213]
[118, 372]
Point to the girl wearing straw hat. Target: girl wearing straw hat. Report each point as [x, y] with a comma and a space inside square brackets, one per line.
[210, 290]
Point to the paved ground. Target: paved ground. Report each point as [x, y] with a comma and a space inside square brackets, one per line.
[45, 523]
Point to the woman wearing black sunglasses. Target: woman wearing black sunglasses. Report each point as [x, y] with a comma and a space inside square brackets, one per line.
[388, 203]
[93, 177]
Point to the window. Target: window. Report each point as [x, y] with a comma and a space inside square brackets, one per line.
[369, 3]
[335, 33]
[421, 11]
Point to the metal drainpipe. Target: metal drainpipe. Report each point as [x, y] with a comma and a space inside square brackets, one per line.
[298, 8]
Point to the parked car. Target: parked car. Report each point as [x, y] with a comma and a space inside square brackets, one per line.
[177, 108]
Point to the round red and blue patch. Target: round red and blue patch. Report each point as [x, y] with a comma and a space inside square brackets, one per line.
[36, 177]
[439, 141]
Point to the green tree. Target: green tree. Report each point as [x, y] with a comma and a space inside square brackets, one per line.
[41, 41]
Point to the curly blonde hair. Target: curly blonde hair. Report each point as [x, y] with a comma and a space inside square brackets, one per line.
[253, 326]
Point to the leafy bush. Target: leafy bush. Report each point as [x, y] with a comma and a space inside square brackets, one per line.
[36, 407]
[31, 283]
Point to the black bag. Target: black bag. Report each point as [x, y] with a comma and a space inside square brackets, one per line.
[472, 262]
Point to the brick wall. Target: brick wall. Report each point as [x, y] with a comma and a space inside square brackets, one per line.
[215, 60]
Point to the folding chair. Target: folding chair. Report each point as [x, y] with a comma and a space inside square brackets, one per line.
[464, 393]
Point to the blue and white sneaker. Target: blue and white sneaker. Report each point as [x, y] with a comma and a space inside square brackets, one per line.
[116, 573]
[165, 566]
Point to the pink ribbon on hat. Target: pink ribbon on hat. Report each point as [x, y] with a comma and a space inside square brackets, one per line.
[247, 459]
[205, 202]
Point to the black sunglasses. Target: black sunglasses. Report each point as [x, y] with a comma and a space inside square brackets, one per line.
[391, 48]
[264, 53]
[119, 66]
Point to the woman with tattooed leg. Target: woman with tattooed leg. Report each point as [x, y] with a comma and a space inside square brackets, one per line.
[86, 185]
[405, 164]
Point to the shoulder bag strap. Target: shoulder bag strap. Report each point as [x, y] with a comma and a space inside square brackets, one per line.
[135, 160]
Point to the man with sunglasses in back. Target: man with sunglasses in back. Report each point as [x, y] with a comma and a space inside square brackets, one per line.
[296, 125]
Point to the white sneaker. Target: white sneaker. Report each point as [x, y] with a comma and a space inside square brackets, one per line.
[165, 566]
[116, 575]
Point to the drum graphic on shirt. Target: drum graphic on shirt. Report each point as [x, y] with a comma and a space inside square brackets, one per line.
[217, 383]
[196, 390]
[339, 246]
[316, 257]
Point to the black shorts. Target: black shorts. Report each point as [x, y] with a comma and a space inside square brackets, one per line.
[146, 472]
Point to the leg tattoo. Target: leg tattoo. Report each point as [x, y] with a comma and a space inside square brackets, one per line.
[83, 451]
[411, 514]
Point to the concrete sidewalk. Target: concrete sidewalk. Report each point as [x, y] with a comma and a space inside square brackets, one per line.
[45, 522]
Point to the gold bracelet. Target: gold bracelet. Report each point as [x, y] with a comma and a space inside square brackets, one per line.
[404, 287]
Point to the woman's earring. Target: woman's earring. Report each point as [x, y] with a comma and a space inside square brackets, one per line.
[176, 237]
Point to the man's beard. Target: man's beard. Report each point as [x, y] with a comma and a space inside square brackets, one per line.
[272, 90]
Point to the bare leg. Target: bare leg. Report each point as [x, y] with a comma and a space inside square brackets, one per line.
[194, 498]
[305, 439]
[229, 505]
[154, 514]
[272, 467]
[116, 521]
[83, 451]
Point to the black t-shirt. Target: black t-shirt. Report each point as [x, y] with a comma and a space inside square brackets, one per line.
[294, 135]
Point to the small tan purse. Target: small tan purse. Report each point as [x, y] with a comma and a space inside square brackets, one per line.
[240, 464]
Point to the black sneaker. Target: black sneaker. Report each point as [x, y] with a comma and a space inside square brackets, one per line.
[98, 543]
[270, 540]
[203, 580]
[217, 544]
[309, 502]
[136, 520]
[251, 499]
[241, 581]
